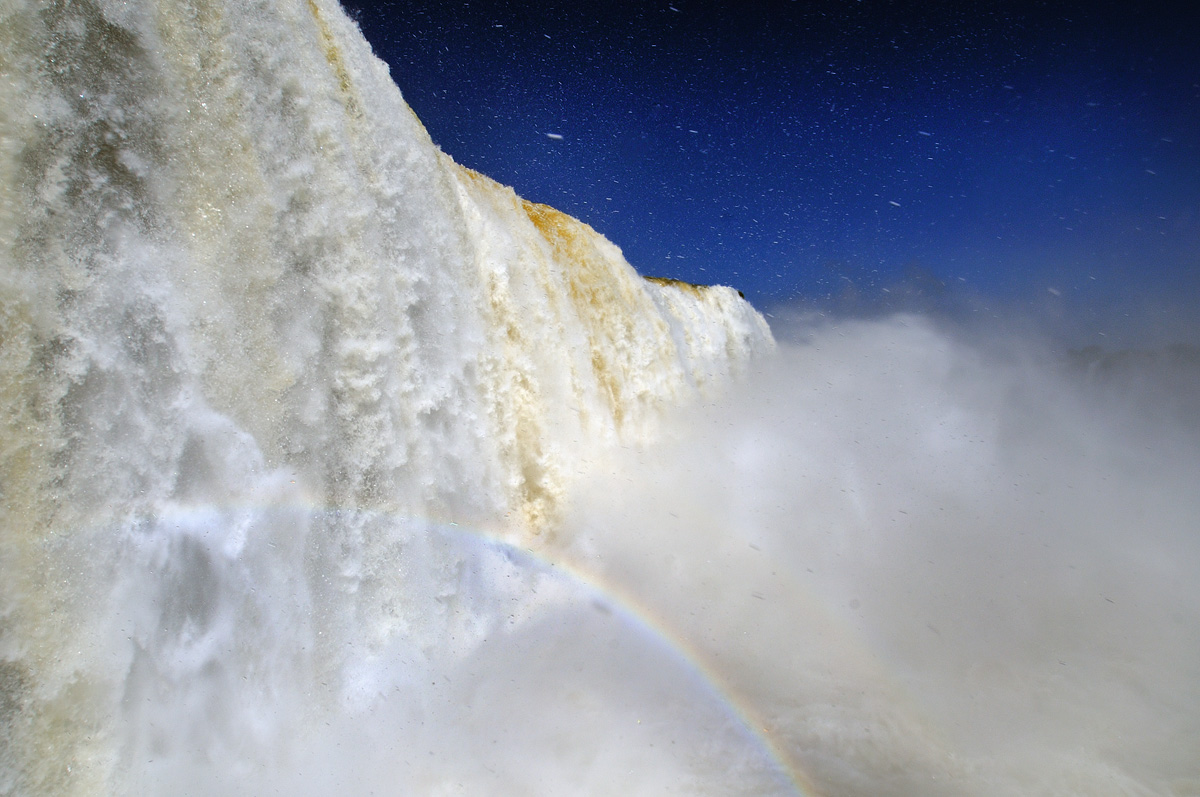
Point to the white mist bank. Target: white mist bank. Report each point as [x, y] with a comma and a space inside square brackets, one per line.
[931, 566]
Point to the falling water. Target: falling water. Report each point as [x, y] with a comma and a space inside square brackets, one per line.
[264, 349]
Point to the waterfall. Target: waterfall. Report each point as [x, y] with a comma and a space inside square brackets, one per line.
[266, 354]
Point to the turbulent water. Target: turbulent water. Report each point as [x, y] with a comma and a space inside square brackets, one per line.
[264, 349]
[330, 466]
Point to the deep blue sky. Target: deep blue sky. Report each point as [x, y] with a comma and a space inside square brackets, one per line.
[833, 148]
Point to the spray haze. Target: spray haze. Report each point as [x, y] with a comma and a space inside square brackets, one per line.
[935, 566]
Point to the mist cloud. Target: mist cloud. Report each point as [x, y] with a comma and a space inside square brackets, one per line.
[932, 560]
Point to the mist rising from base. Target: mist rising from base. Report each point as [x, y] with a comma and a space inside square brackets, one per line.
[935, 566]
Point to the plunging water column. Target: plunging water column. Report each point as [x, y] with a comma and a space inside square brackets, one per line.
[262, 345]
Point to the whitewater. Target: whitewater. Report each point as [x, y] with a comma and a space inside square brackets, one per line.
[331, 466]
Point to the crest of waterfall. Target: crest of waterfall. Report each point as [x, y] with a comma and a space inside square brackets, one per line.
[259, 340]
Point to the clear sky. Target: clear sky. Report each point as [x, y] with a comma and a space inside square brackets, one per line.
[833, 149]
